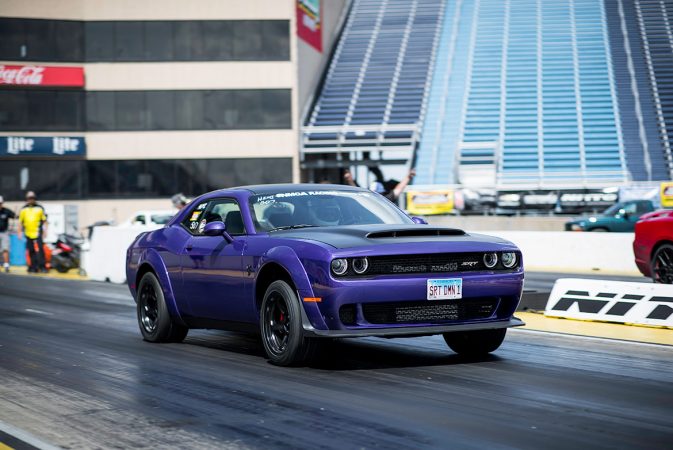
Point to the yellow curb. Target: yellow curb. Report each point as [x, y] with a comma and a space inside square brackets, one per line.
[72, 274]
[570, 270]
[651, 335]
[5, 447]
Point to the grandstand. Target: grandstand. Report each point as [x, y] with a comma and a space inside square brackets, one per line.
[501, 93]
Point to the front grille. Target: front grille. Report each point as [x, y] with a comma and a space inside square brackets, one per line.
[428, 263]
[347, 314]
[430, 311]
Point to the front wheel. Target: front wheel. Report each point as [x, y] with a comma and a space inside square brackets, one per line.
[281, 328]
[475, 343]
[662, 265]
[156, 324]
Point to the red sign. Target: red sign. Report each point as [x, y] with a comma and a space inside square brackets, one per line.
[41, 76]
[309, 27]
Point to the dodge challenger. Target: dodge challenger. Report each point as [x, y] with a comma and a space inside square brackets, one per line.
[301, 263]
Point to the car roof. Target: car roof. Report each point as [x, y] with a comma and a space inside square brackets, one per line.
[260, 189]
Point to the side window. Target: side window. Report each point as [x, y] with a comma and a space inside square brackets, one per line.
[139, 219]
[630, 208]
[222, 209]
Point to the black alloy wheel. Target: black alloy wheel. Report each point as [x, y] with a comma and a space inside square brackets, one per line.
[281, 327]
[149, 308]
[662, 265]
[154, 319]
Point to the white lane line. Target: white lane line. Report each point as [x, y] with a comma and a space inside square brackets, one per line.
[26, 437]
[36, 311]
[590, 338]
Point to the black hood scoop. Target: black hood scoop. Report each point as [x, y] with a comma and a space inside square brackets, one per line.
[406, 233]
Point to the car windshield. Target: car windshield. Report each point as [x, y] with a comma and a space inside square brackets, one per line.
[614, 209]
[161, 219]
[297, 209]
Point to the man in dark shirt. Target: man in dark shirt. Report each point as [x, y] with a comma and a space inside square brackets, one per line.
[5, 216]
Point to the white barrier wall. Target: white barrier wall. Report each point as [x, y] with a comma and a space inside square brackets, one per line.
[574, 251]
[542, 250]
[612, 301]
[106, 258]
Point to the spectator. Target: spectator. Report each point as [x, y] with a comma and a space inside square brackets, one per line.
[5, 216]
[33, 224]
[179, 200]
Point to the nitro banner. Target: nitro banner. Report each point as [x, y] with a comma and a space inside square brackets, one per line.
[22, 146]
[41, 76]
[612, 301]
[309, 26]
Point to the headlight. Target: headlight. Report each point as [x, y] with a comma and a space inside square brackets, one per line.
[508, 260]
[339, 266]
[490, 260]
[360, 265]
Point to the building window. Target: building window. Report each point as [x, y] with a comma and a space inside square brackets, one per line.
[200, 40]
[94, 179]
[41, 40]
[135, 41]
[189, 110]
[41, 110]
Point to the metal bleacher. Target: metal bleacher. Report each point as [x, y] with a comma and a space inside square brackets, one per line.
[374, 90]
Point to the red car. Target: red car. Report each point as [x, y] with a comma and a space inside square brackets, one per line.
[653, 246]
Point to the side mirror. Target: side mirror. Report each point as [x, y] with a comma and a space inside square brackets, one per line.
[419, 220]
[217, 228]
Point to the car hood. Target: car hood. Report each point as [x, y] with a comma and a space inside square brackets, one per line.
[376, 235]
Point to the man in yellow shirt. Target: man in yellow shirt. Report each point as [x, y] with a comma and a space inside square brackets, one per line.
[33, 224]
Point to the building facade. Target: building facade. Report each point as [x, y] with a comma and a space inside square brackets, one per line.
[174, 97]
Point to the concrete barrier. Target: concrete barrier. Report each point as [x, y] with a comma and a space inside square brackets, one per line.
[542, 250]
[106, 258]
[574, 251]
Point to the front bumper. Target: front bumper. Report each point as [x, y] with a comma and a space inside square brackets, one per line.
[385, 294]
[409, 331]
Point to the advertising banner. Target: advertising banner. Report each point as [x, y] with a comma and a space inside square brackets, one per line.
[22, 146]
[612, 301]
[41, 76]
[426, 203]
[666, 194]
[309, 26]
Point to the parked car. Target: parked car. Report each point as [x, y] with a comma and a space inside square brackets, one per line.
[155, 218]
[299, 263]
[653, 246]
[620, 217]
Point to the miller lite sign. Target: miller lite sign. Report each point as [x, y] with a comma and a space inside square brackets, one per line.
[34, 75]
[22, 146]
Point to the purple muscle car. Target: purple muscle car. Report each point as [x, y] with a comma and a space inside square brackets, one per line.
[299, 263]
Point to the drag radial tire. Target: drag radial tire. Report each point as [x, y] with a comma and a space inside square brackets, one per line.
[475, 343]
[281, 327]
[662, 265]
[154, 319]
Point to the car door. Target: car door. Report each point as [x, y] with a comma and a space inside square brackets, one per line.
[213, 281]
[626, 219]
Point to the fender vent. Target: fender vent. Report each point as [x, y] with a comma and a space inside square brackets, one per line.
[416, 233]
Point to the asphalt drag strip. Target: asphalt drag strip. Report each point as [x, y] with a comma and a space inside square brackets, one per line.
[76, 374]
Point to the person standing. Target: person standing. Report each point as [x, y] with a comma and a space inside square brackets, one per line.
[5, 216]
[33, 224]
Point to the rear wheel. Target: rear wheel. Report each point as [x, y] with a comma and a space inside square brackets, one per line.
[662, 265]
[156, 324]
[475, 343]
[281, 328]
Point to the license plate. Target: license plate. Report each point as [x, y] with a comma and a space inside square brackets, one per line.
[445, 289]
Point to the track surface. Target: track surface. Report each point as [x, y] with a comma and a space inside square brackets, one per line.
[74, 372]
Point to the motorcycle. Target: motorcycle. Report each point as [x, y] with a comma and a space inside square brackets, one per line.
[66, 253]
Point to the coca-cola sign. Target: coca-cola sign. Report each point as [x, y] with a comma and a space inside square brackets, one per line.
[41, 76]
